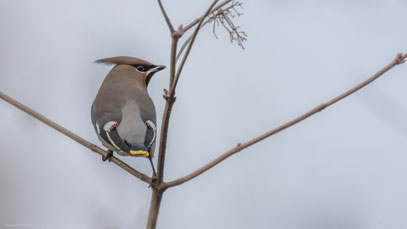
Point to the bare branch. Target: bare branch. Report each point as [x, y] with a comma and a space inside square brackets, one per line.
[183, 47]
[170, 99]
[191, 43]
[155, 203]
[75, 137]
[163, 139]
[216, 18]
[167, 19]
[189, 40]
[399, 59]
[196, 21]
[168, 107]
[222, 16]
[173, 59]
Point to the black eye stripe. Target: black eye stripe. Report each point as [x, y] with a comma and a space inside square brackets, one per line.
[143, 68]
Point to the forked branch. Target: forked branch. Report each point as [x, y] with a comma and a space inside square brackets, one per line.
[170, 96]
[191, 43]
[399, 59]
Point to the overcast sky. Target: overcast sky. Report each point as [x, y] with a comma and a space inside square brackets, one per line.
[342, 168]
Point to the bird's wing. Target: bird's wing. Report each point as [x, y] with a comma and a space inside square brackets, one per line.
[148, 115]
[106, 116]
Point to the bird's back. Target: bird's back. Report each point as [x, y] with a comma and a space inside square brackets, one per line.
[123, 99]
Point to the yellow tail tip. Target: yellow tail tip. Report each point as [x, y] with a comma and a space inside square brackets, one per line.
[140, 153]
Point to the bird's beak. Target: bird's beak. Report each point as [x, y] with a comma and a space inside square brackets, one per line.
[159, 68]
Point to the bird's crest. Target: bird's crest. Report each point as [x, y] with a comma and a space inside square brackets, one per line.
[128, 60]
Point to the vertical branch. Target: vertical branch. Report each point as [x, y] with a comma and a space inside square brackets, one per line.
[191, 43]
[155, 203]
[163, 140]
[158, 185]
[167, 111]
[171, 97]
[173, 58]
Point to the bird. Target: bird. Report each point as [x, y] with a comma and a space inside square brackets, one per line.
[123, 113]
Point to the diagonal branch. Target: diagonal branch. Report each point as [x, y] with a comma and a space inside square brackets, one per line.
[181, 50]
[191, 43]
[399, 59]
[167, 19]
[184, 46]
[75, 137]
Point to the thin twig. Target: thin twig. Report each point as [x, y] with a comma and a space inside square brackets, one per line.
[183, 48]
[191, 43]
[167, 19]
[196, 21]
[168, 107]
[399, 59]
[222, 16]
[173, 59]
[187, 41]
[217, 17]
[75, 137]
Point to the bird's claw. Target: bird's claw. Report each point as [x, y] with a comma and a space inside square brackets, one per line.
[108, 156]
[154, 176]
[153, 180]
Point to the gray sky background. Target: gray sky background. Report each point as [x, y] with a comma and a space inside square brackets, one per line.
[342, 168]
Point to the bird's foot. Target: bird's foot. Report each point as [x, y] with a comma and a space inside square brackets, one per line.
[108, 156]
[153, 180]
[154, 177]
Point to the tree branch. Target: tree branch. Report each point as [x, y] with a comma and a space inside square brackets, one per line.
[196, 21]
[75, 137]
[187, 42]
[219, 16]
[167, 19]
[163, 139]
[170, 97]
[168, 107]
[191, 43]
[184, 46]
[173, 59]
[399, 59]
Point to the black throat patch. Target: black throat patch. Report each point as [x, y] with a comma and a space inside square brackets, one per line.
[145, 68]
[148, 78]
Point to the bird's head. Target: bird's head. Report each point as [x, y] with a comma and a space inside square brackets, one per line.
[144, 69]
[148, 70]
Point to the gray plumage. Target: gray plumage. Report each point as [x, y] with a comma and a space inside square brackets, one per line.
[123, 98]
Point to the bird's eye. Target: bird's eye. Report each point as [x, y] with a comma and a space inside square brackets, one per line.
[140, 68]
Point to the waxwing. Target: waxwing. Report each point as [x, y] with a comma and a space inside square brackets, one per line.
[123, 113]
